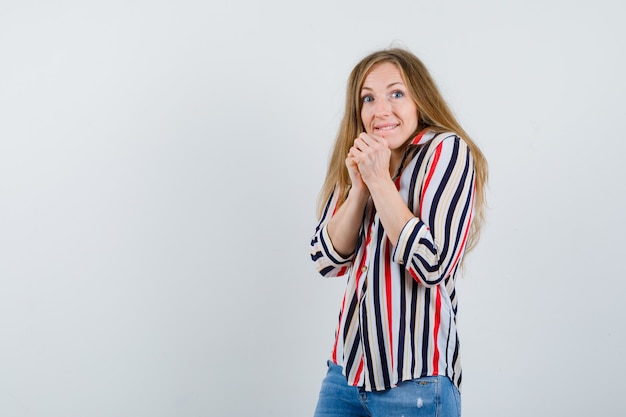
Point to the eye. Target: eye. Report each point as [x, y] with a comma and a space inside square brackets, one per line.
[367, 99]
[397, 94]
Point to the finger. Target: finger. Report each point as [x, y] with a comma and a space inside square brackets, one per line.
[372, 140]
[352, 157]
[360, 145]
[365, 138]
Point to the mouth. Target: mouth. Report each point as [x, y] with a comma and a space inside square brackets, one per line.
[386, 127]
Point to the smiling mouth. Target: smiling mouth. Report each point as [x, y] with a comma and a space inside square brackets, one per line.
[386, 127]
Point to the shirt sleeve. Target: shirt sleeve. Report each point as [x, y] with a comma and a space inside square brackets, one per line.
[431, 244]
[327, 260]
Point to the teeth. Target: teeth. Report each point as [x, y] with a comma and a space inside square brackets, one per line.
[387, 127]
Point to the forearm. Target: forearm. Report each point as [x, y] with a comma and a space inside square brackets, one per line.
[391, 208]
[343, 228]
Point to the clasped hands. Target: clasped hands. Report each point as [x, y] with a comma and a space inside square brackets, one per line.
[368, 161]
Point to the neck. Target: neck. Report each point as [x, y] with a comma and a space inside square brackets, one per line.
[394, 162]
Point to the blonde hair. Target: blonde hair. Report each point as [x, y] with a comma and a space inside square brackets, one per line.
[433, 113]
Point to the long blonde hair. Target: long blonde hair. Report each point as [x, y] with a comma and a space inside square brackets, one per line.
[433, 113]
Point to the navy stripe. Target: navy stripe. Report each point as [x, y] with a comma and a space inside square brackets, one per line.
[426, 332]
[428, 245]
[413, 325]
[367, 353]
[437, 197]
[325, 211]
[410, 242]
[326, 270]
[425, 265]
[350, 313]
[402, 327]
[379, 316]
[448, 342]
[455, 358]
[352, 355]
[411, 202]
[455, 201]
[332, 258]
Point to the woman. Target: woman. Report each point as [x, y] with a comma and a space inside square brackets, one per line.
[401, 204]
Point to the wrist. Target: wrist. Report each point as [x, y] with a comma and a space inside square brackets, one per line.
[377, 184]
[358, 193]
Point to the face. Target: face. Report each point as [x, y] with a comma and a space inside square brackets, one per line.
[388, 110]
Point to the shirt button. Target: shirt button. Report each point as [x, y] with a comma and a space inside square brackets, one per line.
[363, 269]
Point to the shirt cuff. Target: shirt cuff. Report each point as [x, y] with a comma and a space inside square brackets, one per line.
[410, 232]
[328, 247]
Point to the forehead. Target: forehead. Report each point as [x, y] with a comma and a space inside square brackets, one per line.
[382, 75]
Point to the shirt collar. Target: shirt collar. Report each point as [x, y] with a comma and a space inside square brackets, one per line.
[423, 137]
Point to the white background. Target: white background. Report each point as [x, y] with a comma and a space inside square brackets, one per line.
[159, 166]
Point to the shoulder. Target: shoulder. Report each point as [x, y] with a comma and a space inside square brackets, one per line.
[429, 141]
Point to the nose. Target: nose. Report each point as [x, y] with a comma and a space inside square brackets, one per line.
[382, 107]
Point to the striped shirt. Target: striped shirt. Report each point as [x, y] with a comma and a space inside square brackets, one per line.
[397, 320]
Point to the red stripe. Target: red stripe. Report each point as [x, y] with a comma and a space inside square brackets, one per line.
[436, 331]
[368, 239]
[416, 139]
[462, 246]
[343, 305]
[414, 274]
[359, 271]
[389, 298]
[358, 373]
[335, 208]
[359, 274]
[430, 175]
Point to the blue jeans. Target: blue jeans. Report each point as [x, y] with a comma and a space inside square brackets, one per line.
[428, 396]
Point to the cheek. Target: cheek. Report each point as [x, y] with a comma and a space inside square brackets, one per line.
[366, 117]
[411, 117]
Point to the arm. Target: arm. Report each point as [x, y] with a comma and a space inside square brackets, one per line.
[432, 242]
[373, 156]
[344, 226]
[336, 235]
[390, 206]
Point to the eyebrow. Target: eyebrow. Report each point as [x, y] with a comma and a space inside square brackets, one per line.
[389, 86]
